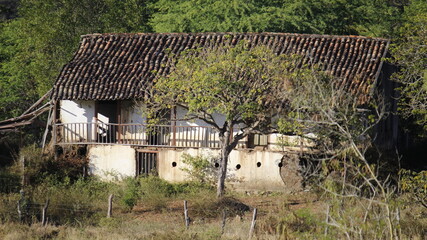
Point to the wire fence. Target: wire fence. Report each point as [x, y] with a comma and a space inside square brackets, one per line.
[25, 211]
[17, 207]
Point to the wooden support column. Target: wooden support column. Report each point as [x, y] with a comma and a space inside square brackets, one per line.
[119, 121]
[173, 126]
[96, 120]
[54, 122]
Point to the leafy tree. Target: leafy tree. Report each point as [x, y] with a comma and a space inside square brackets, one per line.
[362, 17]
[214, 16]
[244, 85]
[34, 46]
[342, 17]
[410, 53]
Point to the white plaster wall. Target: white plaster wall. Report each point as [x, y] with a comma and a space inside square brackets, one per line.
[169, 156]
[266, 177]
[77, 112]
[250, 176]
[112, 161]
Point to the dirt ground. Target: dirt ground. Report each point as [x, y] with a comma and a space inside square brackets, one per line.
[266, 203]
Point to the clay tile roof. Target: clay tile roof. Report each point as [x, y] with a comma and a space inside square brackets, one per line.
[118, 66]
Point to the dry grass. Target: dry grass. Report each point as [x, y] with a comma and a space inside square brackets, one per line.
[298, 216]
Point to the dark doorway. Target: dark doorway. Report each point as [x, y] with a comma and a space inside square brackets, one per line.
[107, 119]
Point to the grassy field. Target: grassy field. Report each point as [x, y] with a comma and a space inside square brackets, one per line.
[147, 221]
[151, 208]
[297, 216]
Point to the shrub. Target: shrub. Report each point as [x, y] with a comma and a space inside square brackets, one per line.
[131, 193]
[39, 166]
[8, 207]
[415, 184]
[200, 169]
[155, 192]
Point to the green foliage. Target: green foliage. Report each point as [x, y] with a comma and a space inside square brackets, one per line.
[8, 207]
[290, 125]
[34, 46]
[81, 202]
[343, 17]
[410, 53]
[200, 169]
[40, 166]
[131, 192]
[415, 184]
[155, 192]
[365, 17]
[215, 16]
[238, 82]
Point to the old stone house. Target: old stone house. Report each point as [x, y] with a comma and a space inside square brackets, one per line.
[96, 104]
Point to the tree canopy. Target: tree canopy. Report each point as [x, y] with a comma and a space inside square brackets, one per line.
[246, 85]
[42, 38]
[360, 17]
[34, 46]
[410, 53]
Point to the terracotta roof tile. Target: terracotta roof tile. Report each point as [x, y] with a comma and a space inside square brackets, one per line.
[119, 66]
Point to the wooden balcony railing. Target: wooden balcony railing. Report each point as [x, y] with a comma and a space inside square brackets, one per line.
[136, 134]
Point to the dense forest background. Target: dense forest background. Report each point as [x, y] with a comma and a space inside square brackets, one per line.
[37, 37]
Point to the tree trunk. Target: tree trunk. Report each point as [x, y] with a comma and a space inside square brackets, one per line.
[222, 172]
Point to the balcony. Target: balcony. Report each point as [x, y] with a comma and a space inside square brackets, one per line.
[136, 134]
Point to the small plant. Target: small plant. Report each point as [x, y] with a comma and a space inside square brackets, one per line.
[39, 166]
[131, 194]
[415, 184]
[155, 192]
[200, 169]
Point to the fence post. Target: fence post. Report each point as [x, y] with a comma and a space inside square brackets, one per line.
[21, 210]
[224, 218]
[44, 213]
[187, 219]
[110, 206]
[23, 179]
[253, 223]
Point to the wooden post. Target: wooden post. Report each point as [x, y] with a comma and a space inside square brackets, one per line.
[187, 219]
[21, 212]
[110, 206]
[224, 218]
[119, 121]
[54, 127]
[174, 126]
[253, 223]
[23, 180]
[327, 220]
[44, 212]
